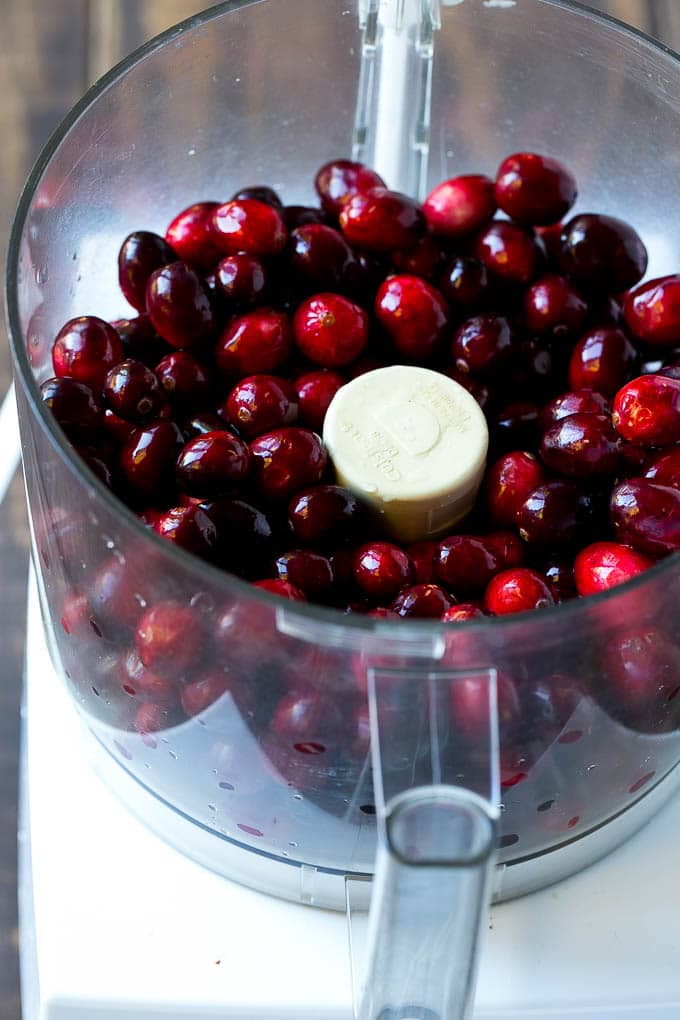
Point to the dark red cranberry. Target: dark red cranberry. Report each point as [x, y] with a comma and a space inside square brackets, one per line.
[581, 446]
[190, 235]
[556, 513]
[205, 690]
[189, 527]
[460, 206]
[647, 411]
[381, 569]
[602, 360]
[646, 516]
[573, 402]
[148, 458]
[601, 252]
[169, 638]
[308, 571]
[464, 283]
[323, 259]
[184, 380]
[74, 406]
[179, 305]
[132, 391]
[380, 220]
[413, 313]
[117, 597]
[469, 701]
[508, 482]
[652, 311]
[260, 341]
[325, 515]
[211, 464]
[330, 330]
[119, 429]
[534, 189]
[244, 536]
[516, 426]
[315, 391]
[295, 216]
[201, 422]
[338, 180]
[137, 679]
[260, 403]
[481, 343]
[517, 591]
[465, 564]
[425, 258]
[139, 339]
[640, 678]
[286, 460]
[99, 462]
[664, 468]
[241, 280]
[551, 238]
[140, 255]
[552, 305]
[85, 349]
[560, 579]
[249, 226]
[509, 252]
[479, 390]
[284, 589]
[422, 555]
[464, 612]
[259, 192]
[422, 601]
[604, 565]
[507, 547]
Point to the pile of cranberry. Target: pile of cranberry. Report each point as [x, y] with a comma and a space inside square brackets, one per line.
[204, 411]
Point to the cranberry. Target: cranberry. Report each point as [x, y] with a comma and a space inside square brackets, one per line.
[204, 691]
[295, 216]
[184, 380]
[322, 257]
[647, 411]
[422, 556]
[552, 305]
[641, 677]
[602, 360]
[481, 343]
[517, 591]
[652, 311]
[308, 571]
[560, 578]
[190, 235]
[261, 193]
[507, 547]
[132, 391]
[413, 313]
[241, 280]
[315, 391]
[469, 701]
[381, 569]
[422, 601]
[465, 564]
[211, 464]
[604, 565]
[136, 678]
[460, 206]
[338, 180]
[139, 339]
[117, 596]
[244, 536]
[601, 252]
[581, 446]
[148, 458]
[249, 226]
[425, 258]
[464, 283]
[286, 460]
[260, 341]
[179, 305]
[85, 349]
[534, 189]
[101, 465]
[74, 406]
[556, 513]
[201, 422]
[325, 514]
[508, 483]
[463, 613]
[330, 330]
[169, 638]
[284, 589]
[260, 403]
[189, 527]
[508, 251]
[516, 425]
[646, 516]
[380, 220]
[664, 468]
[573, 402]
[140, 255]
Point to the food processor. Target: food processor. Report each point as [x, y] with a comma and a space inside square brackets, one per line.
[373, 769]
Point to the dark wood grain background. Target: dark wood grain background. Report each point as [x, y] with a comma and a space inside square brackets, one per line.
[50, 51]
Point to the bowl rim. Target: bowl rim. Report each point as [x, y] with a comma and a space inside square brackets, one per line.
[386, 628]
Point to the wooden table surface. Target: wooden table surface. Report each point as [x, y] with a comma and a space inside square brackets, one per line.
[50, 51]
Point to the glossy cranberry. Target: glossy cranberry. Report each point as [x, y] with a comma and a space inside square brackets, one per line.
[573, 402]
[469, 701]
[507, 547]
[581, 446]
[204, 691]
[138, 680]
[308, 571]
[211, 464]
[556, 513]
[259, 192]
[169, 638]
[413, 313]
[464, 612]
[652, 311]
[315, 391]
[516, 426]
[380, 220]
[481, 343]
[244, 536]
[465, 564]
[74, 406]
[641, 678]
[241, 280]
[117, 596]
[604, 565]
[601, 252]
[189, 527]
[284, 589]
[132, 391]
[249, 226]
[647, 411]
[85, 349]
[460, 206]
[323, 259]
[325, 515]
[602, 360]
[190, 235]
[338, 180]
[422, 601]
[147, 460]
[508, 483]
[295, 216]
[201, 422]
[330, 330]
[646, 516]
[509, 252]
[560, 579]
[184, 379]
[139, 339]
[517, 591]
[422, 555]
[140, 255]
[260, 341]
[664, 468]
[286, 460]
[260, 403]
[464, 283]
[552, 305]
[381, 569]
[534, 189]
[426, 258]
[179, 305]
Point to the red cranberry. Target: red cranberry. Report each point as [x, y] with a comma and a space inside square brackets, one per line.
[508, 483]
[169, 638]
[425, 258]
[241, 280]
[117, 597]
[664, 468]
[508, 251]
[552, 305]
[338, 180]
[137, 679]
[481, 343]
[602, 360]
[641, 677]
[189, 527]
[315, 391]
[249, 226]
[556, 513]
[413, 313]
[380, 220]
[464, 612]
[148, 458]
[284, 589]
[85, 349]
[604, 565]
[322, 257]
[244, 536]
[286, 460]
[330, 330]
[647, 411]
[74, 406]
[295, 216]
[422, 601]
[534, 189]
[652, 311]
[601, 252]
[132, 391]
[308, 571]
[381, 569]
[140, 255]
[139, 339]
[119, 429]
[465, 564]
[517, 591]
[261, 193]
[204, 691]
[460, 206]
[646, 516]
[190, 235]
[184, 380]
[560, 578]
[469, 701]
[211, 464]
[508, 548]
[260, 341]
[573, 402]
[260, 403]
[422, 555]
[179, 305]
[516, 426]
[464, 283]
[325, 515]
[581, 446]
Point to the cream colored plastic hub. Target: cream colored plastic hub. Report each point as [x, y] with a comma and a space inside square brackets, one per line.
[412, 444]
